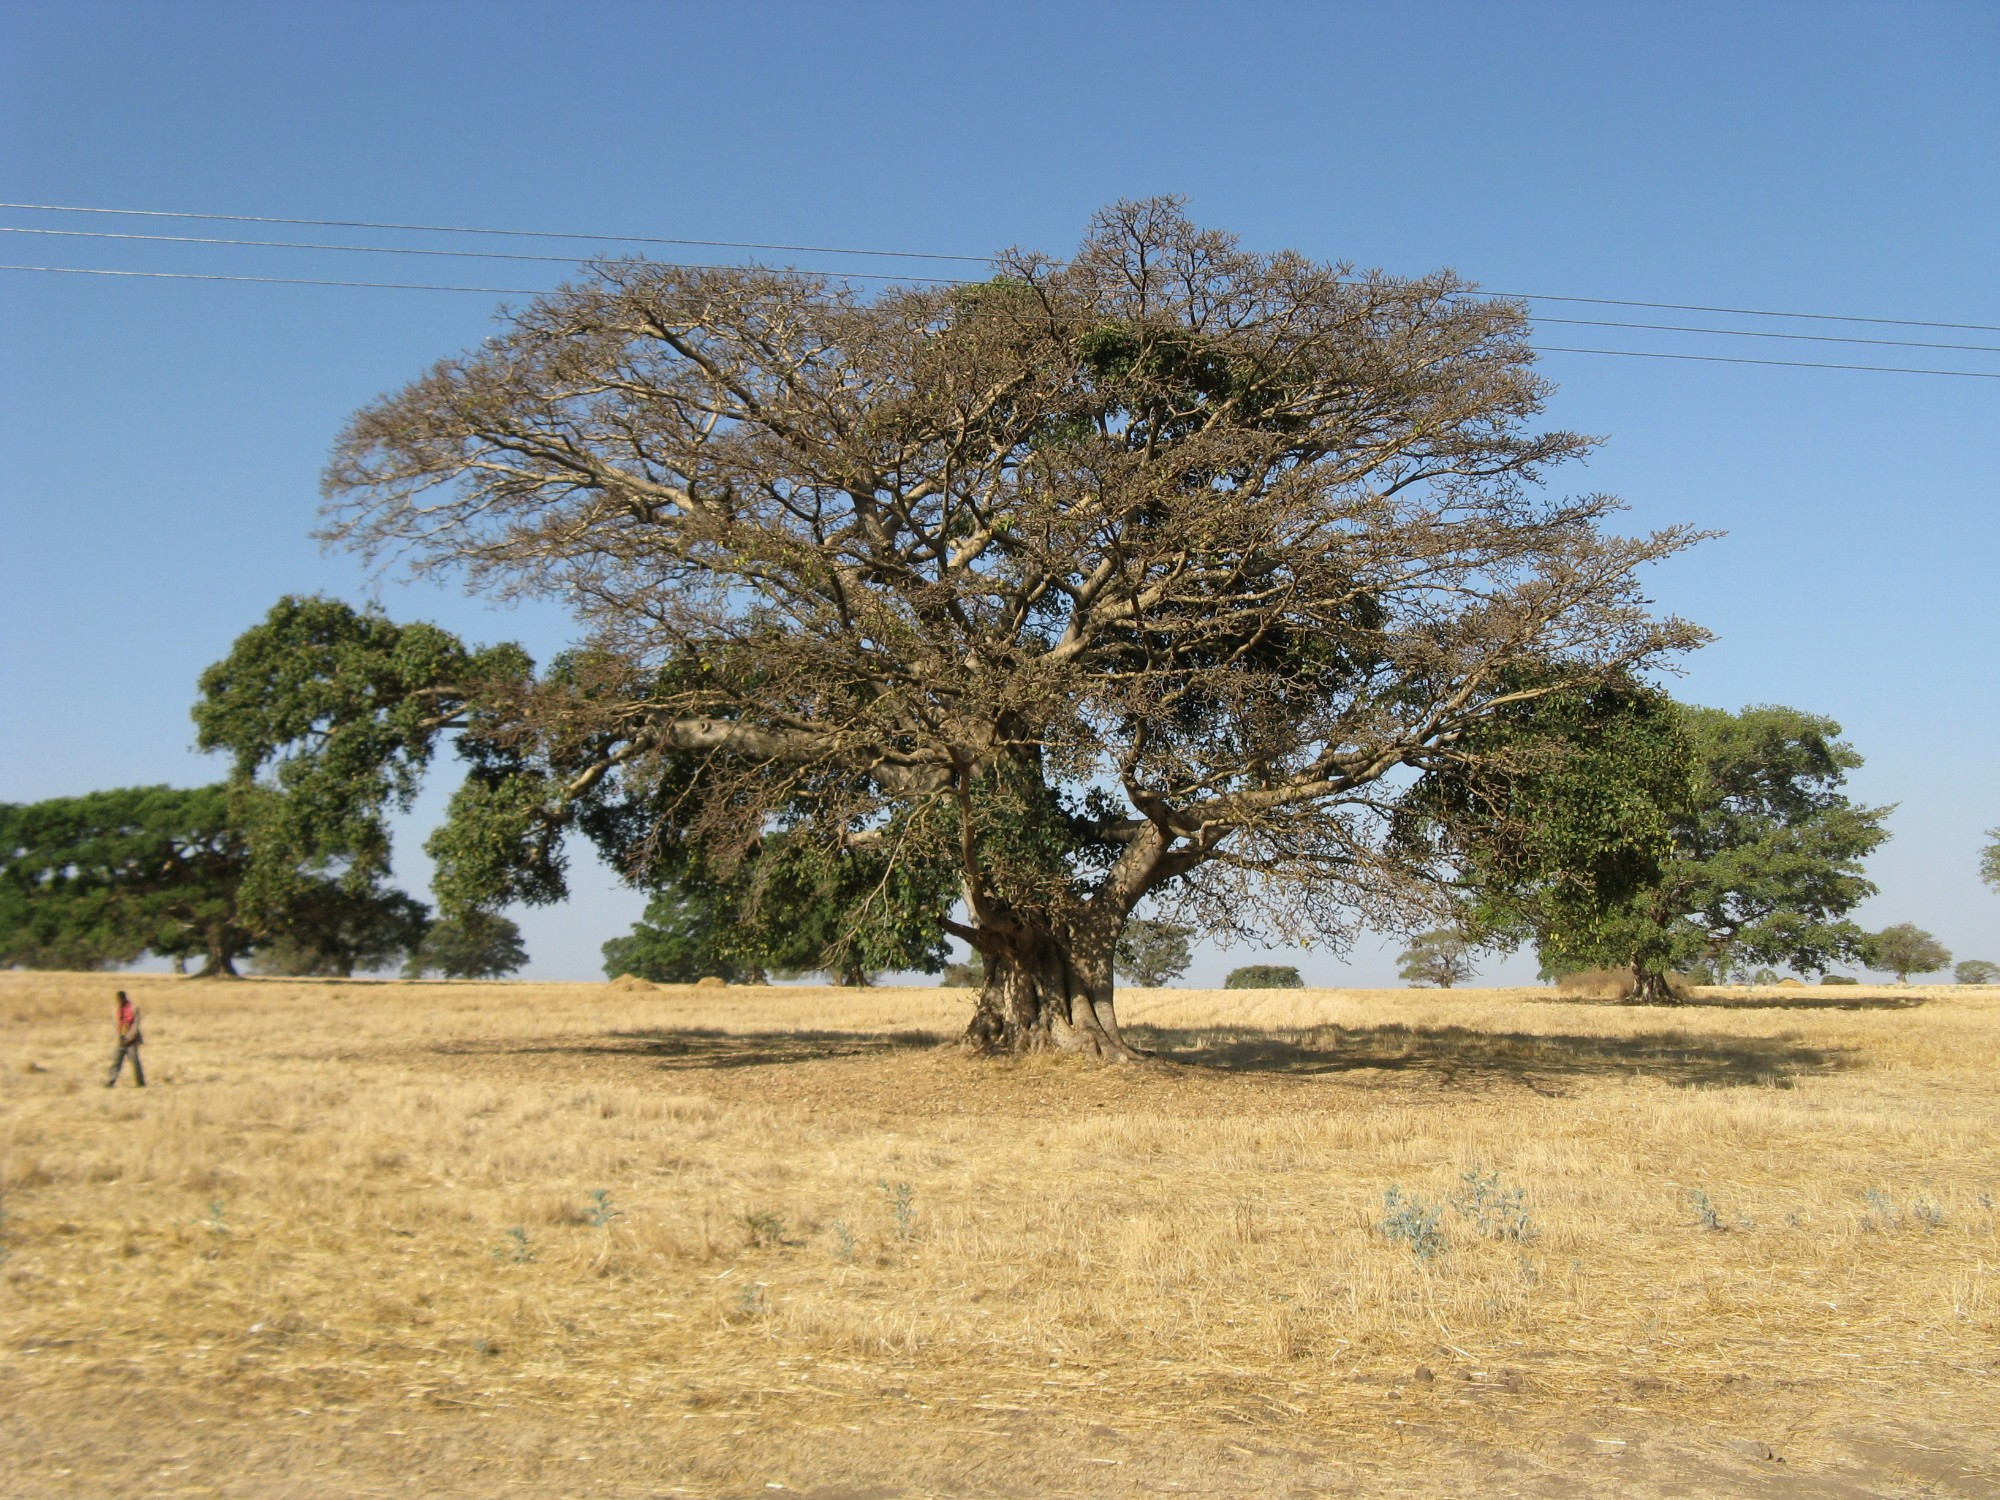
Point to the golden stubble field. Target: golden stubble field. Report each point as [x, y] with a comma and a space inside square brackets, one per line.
[511, 1239]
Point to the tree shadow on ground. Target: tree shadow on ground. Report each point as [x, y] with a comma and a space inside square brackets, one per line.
[1456, 1054]
[1833, 1001]
[696, 1048]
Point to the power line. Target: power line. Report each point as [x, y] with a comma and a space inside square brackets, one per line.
[532, 234]
[524, 291]
[1758, 333]
[561, 260]
[1795, 364]
[571, 260]
[396, 286]
[628, 239]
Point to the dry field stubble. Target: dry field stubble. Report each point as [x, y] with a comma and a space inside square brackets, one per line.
[456, 1239]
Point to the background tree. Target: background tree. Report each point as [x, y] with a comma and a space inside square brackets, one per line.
[97, 880]
[475, 945]
[1626, 830]
[1264, 977]
[1154, 571]
[1438, 957]
[328, 928]
[679, 940]
[1989, 860]
[969, 975]
[1152, 953]
[1976, 971]
[1903, 950]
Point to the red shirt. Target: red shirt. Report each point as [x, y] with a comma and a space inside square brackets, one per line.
[128, 1021]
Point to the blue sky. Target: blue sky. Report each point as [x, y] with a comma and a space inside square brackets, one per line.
[163, 439]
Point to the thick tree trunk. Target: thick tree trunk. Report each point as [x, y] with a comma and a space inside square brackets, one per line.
[1651, 988]
[1041, 994]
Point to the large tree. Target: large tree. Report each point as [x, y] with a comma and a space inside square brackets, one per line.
[328, 927]
[103, 878]
[100, 879]
[1905, 949]
[1157, 572]
[474, 945]
[1620, 828]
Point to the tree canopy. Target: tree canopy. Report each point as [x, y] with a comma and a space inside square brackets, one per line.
[1159, 572]
[1625, 829]
[473, 945]
[1440, 957]
[1905, 949]
[99, 879]
[103, 878]
[1989, 859]
[1152, 953]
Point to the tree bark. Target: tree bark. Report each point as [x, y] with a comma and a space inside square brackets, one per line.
[1650, 987]
[1043, 993]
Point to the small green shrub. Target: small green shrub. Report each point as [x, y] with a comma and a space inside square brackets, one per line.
[1837, 979]
[1264, 977]
[1413, 1222]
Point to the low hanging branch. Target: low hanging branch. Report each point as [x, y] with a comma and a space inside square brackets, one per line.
[1163, 572]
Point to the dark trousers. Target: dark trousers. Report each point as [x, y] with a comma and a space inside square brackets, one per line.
[125, 1050]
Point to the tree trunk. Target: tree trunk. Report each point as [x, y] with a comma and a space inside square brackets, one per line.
[1041, 994]
[1651, 987]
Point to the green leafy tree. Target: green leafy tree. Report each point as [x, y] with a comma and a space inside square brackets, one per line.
[331, 716]
[1630, 830]
[1149, 575]
[1903, 950]
[1440, 957]
[1989, 860]
[1264, 977]
[679, 940]
[1976, 971]
[965, 976]
[1153, 953]
[328, 928]
[334, 715]
[97, 880]
[472, 945]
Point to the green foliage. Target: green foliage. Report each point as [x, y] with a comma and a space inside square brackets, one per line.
[970, 975]
[792, 905]
[1264, 977]
[1838, 979]
[1413, 1222]
[97, 880]
[329, 928]
[1630, 831]
[1439, 957]
[1903, 950]
[680, 939]
[337, 711]
[100, 879]
[471, 945]
[1989, 860]
[1976, 971]
[1152, 953]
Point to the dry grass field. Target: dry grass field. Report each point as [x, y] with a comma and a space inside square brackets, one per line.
[509, 1239]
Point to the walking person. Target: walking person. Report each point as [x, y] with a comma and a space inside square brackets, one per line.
[129, 1041]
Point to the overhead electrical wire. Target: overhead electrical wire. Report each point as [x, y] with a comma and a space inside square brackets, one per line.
[571, 260]
[532, 234]
[524, 291]
[563, 260]
[631, 239]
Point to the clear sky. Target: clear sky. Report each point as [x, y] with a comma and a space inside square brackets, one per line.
[163, 439]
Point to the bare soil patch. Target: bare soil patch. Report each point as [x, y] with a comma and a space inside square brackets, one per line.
[457, 1239]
